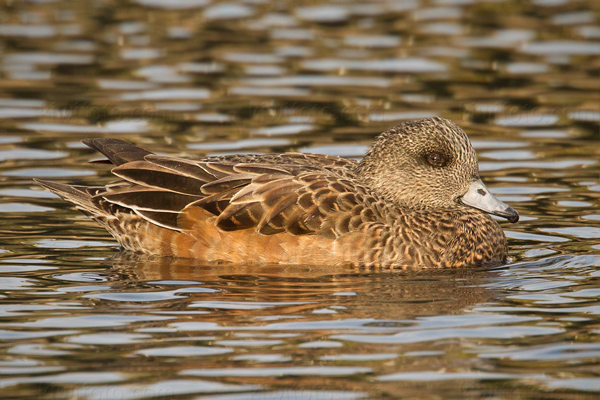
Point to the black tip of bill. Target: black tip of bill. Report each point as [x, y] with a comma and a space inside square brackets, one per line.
[509, 213]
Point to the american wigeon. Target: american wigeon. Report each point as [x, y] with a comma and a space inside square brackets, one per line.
[414, 201]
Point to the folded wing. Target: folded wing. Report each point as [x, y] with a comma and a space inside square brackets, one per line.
[295, 193]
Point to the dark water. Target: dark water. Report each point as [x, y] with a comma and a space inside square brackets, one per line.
[194, 77]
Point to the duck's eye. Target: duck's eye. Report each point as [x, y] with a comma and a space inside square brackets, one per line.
[436, 159]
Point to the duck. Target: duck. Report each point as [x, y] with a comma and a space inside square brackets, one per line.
[414, 201]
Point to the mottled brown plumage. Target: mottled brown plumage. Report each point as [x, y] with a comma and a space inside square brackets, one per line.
[403, 206]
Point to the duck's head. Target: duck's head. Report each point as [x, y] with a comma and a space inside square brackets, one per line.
[429, 164]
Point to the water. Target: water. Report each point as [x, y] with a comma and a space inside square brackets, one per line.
[80, 320]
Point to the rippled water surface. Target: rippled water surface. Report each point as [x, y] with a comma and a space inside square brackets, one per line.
[80, 320]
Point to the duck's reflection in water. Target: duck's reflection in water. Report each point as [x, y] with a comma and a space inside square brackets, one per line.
[298, 290]
[298, 325]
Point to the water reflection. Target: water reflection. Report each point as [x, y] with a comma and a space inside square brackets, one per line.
[235, 323]
[383, 295]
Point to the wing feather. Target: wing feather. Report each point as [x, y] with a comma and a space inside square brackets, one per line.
[294, 192]
[150, 199]
[148, 174]
[192, 169]
[262, 169]
[240, 216]
[226, 183]
[167, 220]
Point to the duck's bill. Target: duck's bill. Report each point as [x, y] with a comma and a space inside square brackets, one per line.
[479, 197]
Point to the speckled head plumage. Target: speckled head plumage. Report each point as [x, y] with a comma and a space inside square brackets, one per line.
[429, 163]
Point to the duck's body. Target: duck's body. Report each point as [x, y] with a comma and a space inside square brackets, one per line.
[294, 208]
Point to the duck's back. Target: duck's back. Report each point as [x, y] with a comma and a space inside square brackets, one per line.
[243, 208]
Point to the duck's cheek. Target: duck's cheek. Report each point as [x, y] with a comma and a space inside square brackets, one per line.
[447, 189]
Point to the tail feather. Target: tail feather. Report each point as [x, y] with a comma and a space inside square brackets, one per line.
[116, 150]
[77, 195]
